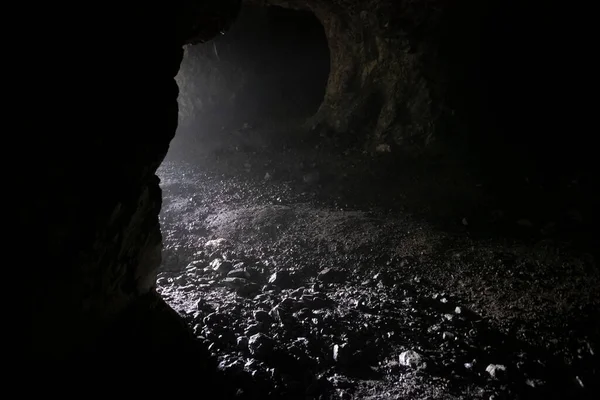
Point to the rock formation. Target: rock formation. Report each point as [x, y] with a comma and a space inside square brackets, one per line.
[402, 73]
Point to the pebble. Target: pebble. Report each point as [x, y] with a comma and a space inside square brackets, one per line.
[180, 280]
[253, 329]
[412, 359]
[262, 316]
[534, 383]
[162, 281]
[215, 243]
[341, 353]
[260, 345]
[303, 314]
[242, 342]
[235, 283]
[288, 303]
[238, 273]
[496, 371]
[281, 279]
[220, 266]
[194, 265]
[330, 275]
[249, 289]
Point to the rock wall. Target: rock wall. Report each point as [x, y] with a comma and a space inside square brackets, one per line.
[378, 90]
[479, 78]
[104, 118]
[101, 204]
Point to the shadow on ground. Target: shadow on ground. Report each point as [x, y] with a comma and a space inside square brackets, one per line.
[312, 274]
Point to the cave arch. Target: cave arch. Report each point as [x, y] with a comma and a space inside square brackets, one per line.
[378, 92]
[272, 65]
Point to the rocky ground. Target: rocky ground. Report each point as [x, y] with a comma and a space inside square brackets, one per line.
[311, 274]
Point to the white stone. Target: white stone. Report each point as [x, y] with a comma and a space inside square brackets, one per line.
[411, 358]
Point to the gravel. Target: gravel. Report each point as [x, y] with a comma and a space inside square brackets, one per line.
[310, 293]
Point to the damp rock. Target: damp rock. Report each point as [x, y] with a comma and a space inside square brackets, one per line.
[330, 275]
[215, 243]
[411, 359]
[188, 288]
[496, 371]
[383, 279]
[278, 314]
[231, 367]
[215, 319]
[281, 279]
[162, 281]
[535, 383]
[194, 265]
[227, 338]
[220, 266]
[297, 293]
[242, 343]
[383, 148]
[248, 289]
[289, 303]
[197, 329]
[341, 353]
[253, 329]
[180, 280]
[262, 316]
[260, 345]
[303, 314]
[340, 381]
[238, 273]
[235, 283]
[315, 301]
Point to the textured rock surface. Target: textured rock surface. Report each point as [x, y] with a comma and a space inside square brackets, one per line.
[378, 73]
[477, 77]
[96, 199]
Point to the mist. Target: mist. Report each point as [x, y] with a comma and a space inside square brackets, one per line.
[270, 70]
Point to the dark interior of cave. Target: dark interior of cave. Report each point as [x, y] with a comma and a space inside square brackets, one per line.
[288, 52]
[270, 68]
[310, 199]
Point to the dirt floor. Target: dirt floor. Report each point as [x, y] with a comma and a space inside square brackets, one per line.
[315, 273]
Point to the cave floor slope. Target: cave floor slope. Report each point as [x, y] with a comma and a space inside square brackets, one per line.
[307, 279]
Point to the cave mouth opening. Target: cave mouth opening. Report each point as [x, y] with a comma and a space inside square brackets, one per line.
[270, 69]
[243, 98]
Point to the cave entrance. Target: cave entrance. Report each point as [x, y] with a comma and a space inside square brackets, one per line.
[243, 102]
[271, 68]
